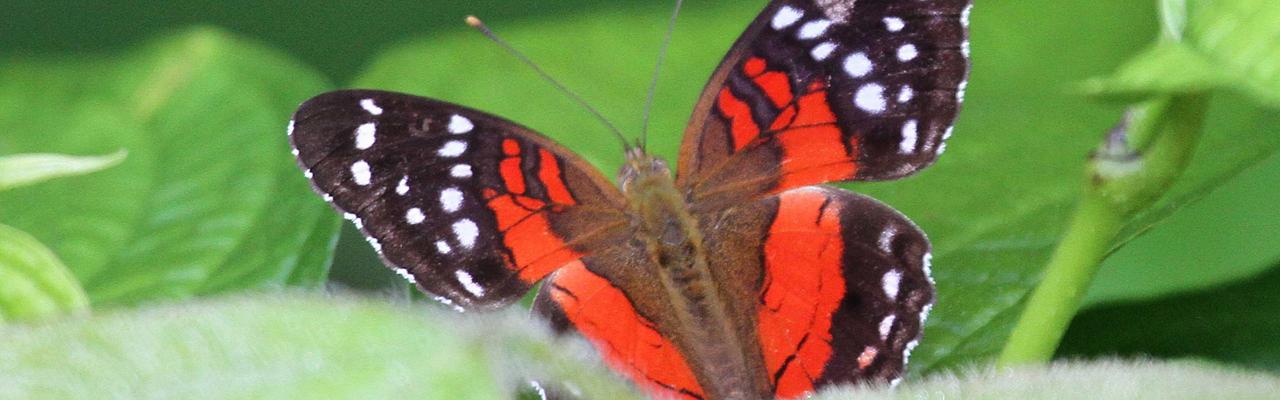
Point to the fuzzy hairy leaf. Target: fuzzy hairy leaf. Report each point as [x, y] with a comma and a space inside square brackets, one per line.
[292, 346]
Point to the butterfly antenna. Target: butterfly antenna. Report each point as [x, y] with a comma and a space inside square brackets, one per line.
[657, 69]
[480, 26]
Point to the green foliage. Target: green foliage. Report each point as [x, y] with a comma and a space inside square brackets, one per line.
[26, 169]
[33, 282]
[208, 200]
[1235, 323]
[1112, 379]
[291, 346]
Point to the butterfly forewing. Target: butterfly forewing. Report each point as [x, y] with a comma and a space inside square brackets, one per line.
[828, 90]
[473, 208]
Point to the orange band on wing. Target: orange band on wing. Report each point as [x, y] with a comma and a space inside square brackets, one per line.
[804, 287]
[535, 249]
[549, 175]
[627, 341]
[509, 168]
[742, 127]
[814, 150]
[777, 86]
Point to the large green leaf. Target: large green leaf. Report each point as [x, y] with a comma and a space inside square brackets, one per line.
[293, 347]
[1234, 323]
[994, 205]
[33, 282]
[209, 199]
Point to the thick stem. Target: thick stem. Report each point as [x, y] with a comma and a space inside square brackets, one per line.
[1122, 181]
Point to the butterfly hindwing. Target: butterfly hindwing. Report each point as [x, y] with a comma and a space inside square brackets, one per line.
[822, 91]
[475, 209]
[844, 287]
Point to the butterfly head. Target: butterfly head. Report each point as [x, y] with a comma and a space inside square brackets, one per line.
[642, 170]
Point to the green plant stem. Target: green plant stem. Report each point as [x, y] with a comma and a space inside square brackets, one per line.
[1071, 268]
[1122, 182]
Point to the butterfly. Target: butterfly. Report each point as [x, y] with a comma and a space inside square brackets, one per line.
[740, 276]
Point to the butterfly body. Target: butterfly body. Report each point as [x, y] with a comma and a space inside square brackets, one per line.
[702, 317]
[738, 276]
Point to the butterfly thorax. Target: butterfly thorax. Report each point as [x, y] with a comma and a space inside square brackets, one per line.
[661, 215]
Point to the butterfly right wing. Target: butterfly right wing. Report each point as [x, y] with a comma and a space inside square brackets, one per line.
[474, 208]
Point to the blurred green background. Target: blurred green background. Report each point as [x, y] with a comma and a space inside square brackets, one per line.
[993, 206]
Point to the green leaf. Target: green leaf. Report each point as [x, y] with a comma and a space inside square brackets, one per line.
[293, 346]
[209, 200]
[1110, 379]
[33, 282]
[1214, 44]
[1233, 323]
[27, 169]
[994, 205]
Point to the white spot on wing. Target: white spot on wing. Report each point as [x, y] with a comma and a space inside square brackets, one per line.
[328, 198]
[910, 134]
[814, 29]
[907, 52]
[927, 261]
[786, 16]
[870, 98]
[404, 273]
[822, 51]
[886, 239]
[402, 188]
[453, 148]
[964, 15]
[459, 124]
[414, 216]
[308, 174]
[469, 283]
[894, 24]
[460, 171]
[377, 246]
[443, 247]
[370, 106]
[858, 65]
[906, 94]
[924, 313]
[467, 232]
[289, 130]
[885, 325]
[366, 135]
[295, 152]
[891, 283]
[360, 173]
[451, 199]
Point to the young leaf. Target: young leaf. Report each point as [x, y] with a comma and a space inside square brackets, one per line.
[293, 346]
[994, 205]
[209, 199]
[33, 282]
[1223, 44]
[27, 169]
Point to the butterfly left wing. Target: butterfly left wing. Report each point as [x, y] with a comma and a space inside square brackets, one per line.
[474, 208]
[822, 91]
